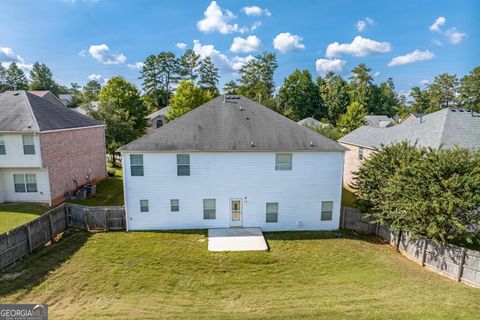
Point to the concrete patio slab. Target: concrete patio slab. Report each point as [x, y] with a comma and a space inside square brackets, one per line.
[236, 239]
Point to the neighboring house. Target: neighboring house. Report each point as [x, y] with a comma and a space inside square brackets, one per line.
[66, 98]
[447, 127]
[313, 123]
[46, 149]
[83, 108]
[411, 117]
[232, 163]
[157, 119]
[379, 121]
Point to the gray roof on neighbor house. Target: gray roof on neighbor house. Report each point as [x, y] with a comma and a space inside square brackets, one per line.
[25, 111]
[312, 122]
[161, 112]
[238, 124]
[447, 127]
[378, 121]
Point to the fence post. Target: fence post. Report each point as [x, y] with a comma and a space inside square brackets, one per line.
[66, 207]
[85, 212]
[343, 217]
[460, 267]
[397, 245]
[51, 225]
[29, 239]
[424, 252]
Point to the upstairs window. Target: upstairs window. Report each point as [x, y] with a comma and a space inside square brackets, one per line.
[183, 164]
[28, 145]
[144, 206]
[2, 145]
[25, 182]
[272, 212]
[136, 164]
[174, 205]
[283, 161]
[209, 209]
[327, 211]
[360, 153]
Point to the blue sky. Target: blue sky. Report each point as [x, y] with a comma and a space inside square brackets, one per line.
[411, 41]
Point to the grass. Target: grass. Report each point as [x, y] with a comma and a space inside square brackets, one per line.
[348, 198]
[13, 215]
[109, 193]
[308, 275]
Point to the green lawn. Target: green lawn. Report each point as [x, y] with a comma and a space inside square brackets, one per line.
[13, 215]
[308, 275]
[109, 193]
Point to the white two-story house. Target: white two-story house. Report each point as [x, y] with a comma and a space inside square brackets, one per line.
[231, 163]
[46, 149]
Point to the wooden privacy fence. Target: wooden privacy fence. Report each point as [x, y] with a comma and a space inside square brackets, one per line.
[22, 240]
[455, 262]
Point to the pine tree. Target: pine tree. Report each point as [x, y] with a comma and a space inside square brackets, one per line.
[188, 65]
[14, 76]
[353, 118]
[334, 92]
[208, 76]
[41, 78]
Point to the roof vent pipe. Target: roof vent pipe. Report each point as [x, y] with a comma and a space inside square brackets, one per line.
[224, 97]
[15, 93]
[252, 144]
[421, 119]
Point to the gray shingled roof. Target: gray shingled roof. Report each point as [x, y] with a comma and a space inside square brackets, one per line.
[161, 112]
[378, 121]
[233, 126]
[26, 111]
[312, 122]
[447, 127]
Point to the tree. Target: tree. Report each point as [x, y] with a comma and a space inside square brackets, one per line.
[123, 112]
[188, 65]
[256, 77]
[361, 83]
[91, 90]
[186, 98]
[353, 118]
[299, 97]
[334, 92]
[208, 76]
[432, 193]
[41, 78]
[14, 76]
[420, 100]
[389, 102]
[231, 87]
[469, 90]
[3, 81]
[159, 74]
[442, 92]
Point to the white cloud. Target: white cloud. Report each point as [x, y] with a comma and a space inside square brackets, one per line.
[256, 11]
[181, 45]
[217, 19]
[287, 42]
[437, 24]
[96, 77]
[223, 62]
[324, 66]
[103, 54]
[412, 57]
[136, 65]
[437, 42]
[8, 55]
[359, 47]
[376, 74]
[255, 25]
[362, 24]
[454, 36]
[424, 82]
[250, 44]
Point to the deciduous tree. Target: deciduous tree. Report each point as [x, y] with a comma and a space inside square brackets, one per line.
[186, 98]
[353, 118]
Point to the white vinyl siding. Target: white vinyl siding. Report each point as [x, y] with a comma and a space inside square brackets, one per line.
[183, 164]
[31, 180]
[283, 161]
[209, 210]
[14, 156]
[2, 146]
[28, 144]
[272, 212]
[223, 176]
[136, 164]
[327, 211]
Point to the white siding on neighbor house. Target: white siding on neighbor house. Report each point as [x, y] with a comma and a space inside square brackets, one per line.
[7, 186]
[315, 177]
[14, 157]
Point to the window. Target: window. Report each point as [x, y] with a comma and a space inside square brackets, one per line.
[174, 205]
[2, 145]
[136, 164]
[327, 209]
[283, 161]
[272, 212]
[208, 209]
[28, 145]
[183, 164]
[159, 123]
[360, 153]
[143, 205]
[25, 182]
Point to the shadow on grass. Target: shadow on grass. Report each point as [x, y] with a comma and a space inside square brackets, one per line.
[31, 208]
[318, 235]
[201, 232]
[33, 269]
